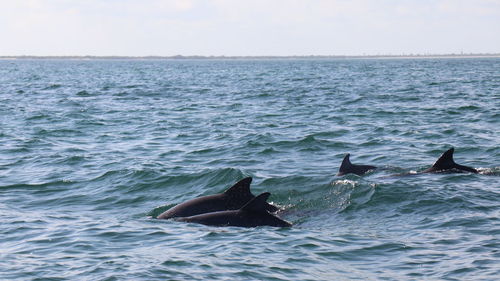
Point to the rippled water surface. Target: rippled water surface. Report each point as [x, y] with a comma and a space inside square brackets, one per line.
[92, 151]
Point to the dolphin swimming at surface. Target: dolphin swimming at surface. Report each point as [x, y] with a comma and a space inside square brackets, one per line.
[253, 214]
[445, 163]
[232, 199]
[348, 168]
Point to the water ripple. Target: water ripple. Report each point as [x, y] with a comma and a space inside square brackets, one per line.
[93, 150]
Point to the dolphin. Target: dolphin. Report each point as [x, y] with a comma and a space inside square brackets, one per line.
[445, 163]
[348, 168]
[232, 199]
[253, 214]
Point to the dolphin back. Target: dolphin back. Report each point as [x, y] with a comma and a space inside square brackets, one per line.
[253, 214]
[348, 168]
[200, 205]
[232, 199]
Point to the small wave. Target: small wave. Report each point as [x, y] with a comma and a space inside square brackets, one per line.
[495, 171]
[43, 186]
[269, 151]
[131, 86]
[203, 151]
[307, 143]
[39, 116]
[53, 87]
[63, 132]
[324, 202]
[71, 160]
[83, 94]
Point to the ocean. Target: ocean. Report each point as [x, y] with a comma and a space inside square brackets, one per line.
[93, 150]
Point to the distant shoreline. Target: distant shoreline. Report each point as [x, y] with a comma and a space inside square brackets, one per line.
[180, 57]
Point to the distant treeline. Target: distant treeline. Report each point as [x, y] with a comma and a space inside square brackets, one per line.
[180, 57]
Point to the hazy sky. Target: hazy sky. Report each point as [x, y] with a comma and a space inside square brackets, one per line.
[248, 27]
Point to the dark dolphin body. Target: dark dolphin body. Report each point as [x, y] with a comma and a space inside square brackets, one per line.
[232, 199]
[253, 214]
[445, 163]
[348, 168]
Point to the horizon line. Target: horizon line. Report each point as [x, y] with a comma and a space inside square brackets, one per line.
[411, 55]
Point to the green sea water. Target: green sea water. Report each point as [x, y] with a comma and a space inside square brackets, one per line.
[91, 151]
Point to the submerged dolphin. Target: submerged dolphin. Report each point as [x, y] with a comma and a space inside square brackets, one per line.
[445, 163]
[348, 168]
[253, 214]
[232, 199]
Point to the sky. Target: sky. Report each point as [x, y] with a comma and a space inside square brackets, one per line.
[248, 27]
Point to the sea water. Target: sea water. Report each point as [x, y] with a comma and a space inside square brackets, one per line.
[91, 151]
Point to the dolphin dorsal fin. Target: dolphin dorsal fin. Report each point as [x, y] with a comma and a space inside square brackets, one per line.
[347, 167]
[240, 188]
[445, 161]
[346, 164]
[258, 204]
